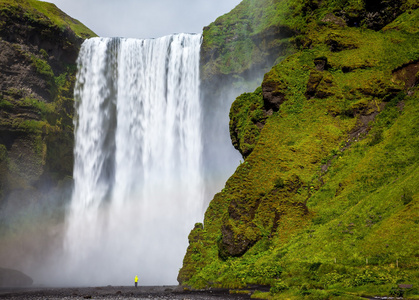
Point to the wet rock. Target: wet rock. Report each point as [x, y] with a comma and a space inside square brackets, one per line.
[313, 82]
[321, 63]
[408, 73]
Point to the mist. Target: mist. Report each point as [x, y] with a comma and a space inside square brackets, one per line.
[32, 227]
[128, 212]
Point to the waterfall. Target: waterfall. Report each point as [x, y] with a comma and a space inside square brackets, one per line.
[138, 160]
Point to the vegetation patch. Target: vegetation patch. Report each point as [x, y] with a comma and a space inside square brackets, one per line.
[325, 204]
[40, 45]
[44, 12]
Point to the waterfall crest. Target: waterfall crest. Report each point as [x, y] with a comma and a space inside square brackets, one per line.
[138, 160]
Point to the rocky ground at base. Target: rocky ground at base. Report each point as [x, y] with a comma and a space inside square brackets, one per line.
[119, 292]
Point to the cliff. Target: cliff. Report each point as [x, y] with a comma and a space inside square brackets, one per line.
[325, 203]
[39, 46]
[237, 50]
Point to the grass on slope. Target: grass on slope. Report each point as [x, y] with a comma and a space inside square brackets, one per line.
[45, 12]
[326, 212]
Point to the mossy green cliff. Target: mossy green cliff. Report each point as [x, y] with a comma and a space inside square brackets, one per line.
[249, 38]
[39, 46]
[326, 202]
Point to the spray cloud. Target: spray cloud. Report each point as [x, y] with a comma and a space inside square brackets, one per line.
[138, 176]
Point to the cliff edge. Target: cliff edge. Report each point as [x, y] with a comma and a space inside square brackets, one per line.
[39, 46]
[325, 203]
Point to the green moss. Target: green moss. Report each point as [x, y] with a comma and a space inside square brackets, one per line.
[5, 104]
[44, 109]
[246, 37]
[30, 126]
[42, 67]
[246, 121]
[47, 13]
[327, 193]
[408, 22]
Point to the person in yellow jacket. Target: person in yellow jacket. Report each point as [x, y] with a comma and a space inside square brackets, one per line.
[136, 280]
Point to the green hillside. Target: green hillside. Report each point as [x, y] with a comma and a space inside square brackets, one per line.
[39, 45]
[45, 13]
[326, 202]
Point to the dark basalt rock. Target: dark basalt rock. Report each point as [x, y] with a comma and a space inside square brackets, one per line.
[272, 97]
[376, 15]
[233, 244]
[313, 82]
[34, 52]
[61, 45]
[408, 73]
[17, 72]
[319, 84]
[37, 73]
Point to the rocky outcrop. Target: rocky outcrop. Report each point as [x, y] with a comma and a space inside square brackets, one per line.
[329, 141]
[380, 13]
[37, 72]
[273, 97]
[39, 46]
[247, 118]
[240, 45]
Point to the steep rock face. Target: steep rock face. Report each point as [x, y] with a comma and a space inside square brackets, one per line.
[237, 49]
[39, 46]
[331, 165]
[249, 113]
[243, 42]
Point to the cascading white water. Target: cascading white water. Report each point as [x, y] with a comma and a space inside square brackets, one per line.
[138, 175]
